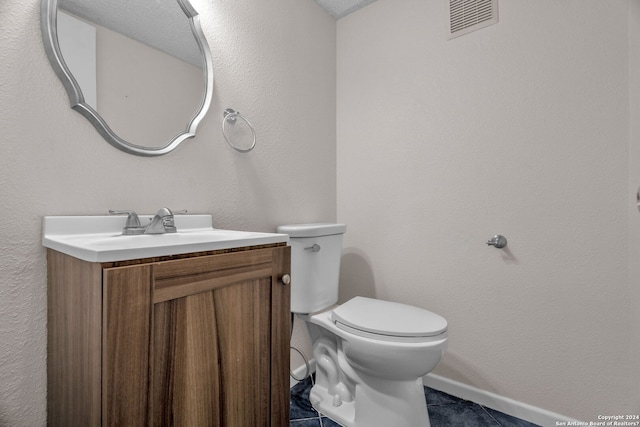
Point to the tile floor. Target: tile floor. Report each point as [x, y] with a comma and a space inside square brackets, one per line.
[444, 411]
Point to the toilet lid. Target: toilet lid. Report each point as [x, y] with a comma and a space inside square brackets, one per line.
[388, 318]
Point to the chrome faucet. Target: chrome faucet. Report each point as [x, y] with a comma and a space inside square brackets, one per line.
[161, 223]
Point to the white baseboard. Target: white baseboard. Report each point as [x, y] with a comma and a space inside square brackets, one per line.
[508, 406]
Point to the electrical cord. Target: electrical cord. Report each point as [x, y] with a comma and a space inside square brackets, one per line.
[306, 362]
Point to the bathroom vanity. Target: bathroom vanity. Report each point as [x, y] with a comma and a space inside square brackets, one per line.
[187, 338]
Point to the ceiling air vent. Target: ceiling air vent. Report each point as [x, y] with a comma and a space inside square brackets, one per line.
[466, 16]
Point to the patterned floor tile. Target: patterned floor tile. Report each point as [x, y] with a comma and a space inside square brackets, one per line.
[444, 409]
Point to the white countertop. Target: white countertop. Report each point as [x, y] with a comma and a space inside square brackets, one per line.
[100, 239]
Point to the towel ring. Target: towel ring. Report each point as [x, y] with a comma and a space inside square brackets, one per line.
[231, 116]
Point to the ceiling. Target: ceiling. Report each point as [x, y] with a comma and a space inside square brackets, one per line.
[340, 8]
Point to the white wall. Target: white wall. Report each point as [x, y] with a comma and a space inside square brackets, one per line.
[634, 185]
[520, 129]
[274, 62]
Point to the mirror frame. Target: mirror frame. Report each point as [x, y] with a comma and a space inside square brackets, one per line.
[49, 17]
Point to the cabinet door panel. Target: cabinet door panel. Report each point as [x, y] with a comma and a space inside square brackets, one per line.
[243, 313]
[185, 363]
[179, 278]
[125, 364]
[211, 357]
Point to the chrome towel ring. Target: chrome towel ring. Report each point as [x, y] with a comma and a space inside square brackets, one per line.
[231, 116]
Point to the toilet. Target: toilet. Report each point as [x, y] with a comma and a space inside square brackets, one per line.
[370, 354]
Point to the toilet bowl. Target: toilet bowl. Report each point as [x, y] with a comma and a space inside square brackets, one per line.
[370, 354]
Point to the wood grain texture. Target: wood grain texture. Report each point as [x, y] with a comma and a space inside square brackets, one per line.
[212, 349]
[280, 333]
[126, 334]
[182, 342]
[243, 318]
[152, 260]
[74, 324]
[175, 279]
[184, 363]
[183, 286]
[206, 264]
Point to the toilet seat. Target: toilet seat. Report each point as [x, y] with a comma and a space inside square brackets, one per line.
[388, 321]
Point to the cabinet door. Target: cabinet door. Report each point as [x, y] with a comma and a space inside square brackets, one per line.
[216, 340]
[126, 316]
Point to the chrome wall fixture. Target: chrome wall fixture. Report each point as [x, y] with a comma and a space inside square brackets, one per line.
[231, 116]
[498, 241]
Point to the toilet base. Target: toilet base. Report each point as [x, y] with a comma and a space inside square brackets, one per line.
[397, 404]
[325, 404]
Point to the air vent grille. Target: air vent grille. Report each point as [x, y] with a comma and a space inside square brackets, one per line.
[470, 15]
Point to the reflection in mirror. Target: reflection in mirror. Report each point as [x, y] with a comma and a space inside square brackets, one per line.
[147, 79]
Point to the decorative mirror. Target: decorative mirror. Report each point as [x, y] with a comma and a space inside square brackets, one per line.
[139, 71]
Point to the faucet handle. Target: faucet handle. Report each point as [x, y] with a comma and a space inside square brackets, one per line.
[132, 218]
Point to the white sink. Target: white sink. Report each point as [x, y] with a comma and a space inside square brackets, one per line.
[99, 238]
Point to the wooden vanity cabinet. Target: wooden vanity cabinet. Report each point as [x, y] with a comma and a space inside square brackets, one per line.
[200, 340]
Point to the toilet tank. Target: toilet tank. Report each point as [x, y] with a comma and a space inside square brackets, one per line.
[315, 264]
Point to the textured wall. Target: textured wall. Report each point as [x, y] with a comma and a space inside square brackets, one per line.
[521, 129]
[274, 62]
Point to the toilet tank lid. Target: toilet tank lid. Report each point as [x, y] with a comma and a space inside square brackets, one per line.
[312, 230]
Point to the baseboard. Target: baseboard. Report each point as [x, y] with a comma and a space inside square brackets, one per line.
[491, 400]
